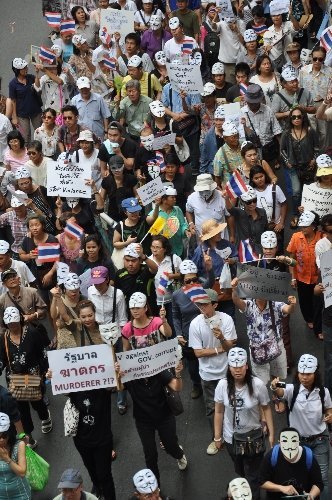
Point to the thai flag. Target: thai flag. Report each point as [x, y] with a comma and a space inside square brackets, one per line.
[246, 252]
[326, 39]
[46, 55]
[163, 284]
[110, 62]
[107, 36]
[67, 26]
[49, 252]
[195, 292]
[243, 88]
[160, 161]
[260, 30]
[236, 185]
[187, 46]
[324, 24]
[53, 19]
[74, 230]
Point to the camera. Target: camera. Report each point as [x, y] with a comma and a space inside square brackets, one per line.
[281, 385]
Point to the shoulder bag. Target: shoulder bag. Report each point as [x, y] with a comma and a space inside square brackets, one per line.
[267, 350]
[186, 127]
[305, 174]
[247, 444]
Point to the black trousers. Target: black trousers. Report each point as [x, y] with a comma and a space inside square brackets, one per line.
[167, 434]
[98, 462]
[24, 408]
[311, 305]
[248, 468]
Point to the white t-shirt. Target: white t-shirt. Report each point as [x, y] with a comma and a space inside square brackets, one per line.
[92, 162]
[265, 200]
[230, 44]
[247, 412]
[173, 50]
[202, 210]
[271, 37]
[23, 272]
[201, 337]
[143, 18]
[269, 88]
[165, 265]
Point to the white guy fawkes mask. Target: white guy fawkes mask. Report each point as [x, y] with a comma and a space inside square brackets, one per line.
[305, 56]
[155, 22]
[160, 57]
[206, 194]
[147, 141]
[157, 108]
[62, 271]
[195, 58]
[72, 202]
[109, 333]
[239, 489]
[224, 253]
[153, 170]
[174, 23]
[145, 481]
[289, 444]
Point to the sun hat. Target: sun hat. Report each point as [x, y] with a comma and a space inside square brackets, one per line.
[210, 228]
[205, 182]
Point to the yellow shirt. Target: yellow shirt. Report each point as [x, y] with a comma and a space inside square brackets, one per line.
[155, 85]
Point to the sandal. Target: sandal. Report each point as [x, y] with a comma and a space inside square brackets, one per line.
[320, 336]
[310, 325]
[161, 445]
[279, 405]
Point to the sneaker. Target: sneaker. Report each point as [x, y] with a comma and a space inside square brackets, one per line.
[122, 409]
[47, 425]
[32, 443]
[196, 392]
[212, 449]
[183, 462]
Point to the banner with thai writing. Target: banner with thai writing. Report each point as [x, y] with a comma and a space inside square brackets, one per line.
[185, 77]
[317, 199]
[326, 272]
[150, 191]
[67, 179]
[117, 21]
[259, 283]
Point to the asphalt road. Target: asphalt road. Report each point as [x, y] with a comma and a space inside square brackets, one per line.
[206, 477]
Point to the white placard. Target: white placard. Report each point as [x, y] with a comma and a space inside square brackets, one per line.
[164, 140]
[146, 362]
[62, 270]
[121, 21]
[85, 282]
[279, 7]
[225, 7]
[81, 369]
[185, 77]
[326, 272]
[317, 199]
[150, 191]
[67, 179]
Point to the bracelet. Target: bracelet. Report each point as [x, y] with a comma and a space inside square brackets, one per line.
[21, 436]
[293, 279]
[216, 349]
[217, 440]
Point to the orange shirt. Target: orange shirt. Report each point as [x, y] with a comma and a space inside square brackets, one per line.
[306, 269]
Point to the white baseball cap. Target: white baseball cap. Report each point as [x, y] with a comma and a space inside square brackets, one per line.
[170, 191]
[11, 315]
[134, 61]
[22, 173]
[19, 63]
[208, 89]
[249, 36]
[130, 251]
[229, 129]
[83, 83]
[16, 202]
[137, 299]
[78, 40]
[289, 74]
[220, 112]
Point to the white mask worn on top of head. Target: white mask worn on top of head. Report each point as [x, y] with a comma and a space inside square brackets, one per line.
[72, 202]
[147, 141]
[239, 489]
[206, 194]
[117, 169]
[155, 22]
[289, 444]
[195, 58]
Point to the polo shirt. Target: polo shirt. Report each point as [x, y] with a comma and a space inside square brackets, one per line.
[190, 21]
[151, 43]
[135, 114]
[92, 112]
[306, 269]
[144, 81]
[27, 104]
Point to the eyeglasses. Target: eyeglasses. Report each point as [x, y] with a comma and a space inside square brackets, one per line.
[320, 59]
[68, 117]
[296, 117]
[254, 200]
[31, 153]
[189, 281]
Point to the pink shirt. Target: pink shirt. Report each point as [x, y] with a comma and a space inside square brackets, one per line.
[144, 337]
[14, 162]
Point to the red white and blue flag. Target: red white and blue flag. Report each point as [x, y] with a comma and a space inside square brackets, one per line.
[110, 62]
[53, 19]
[260, 30]
[326, 39]
[243, 88]
[195, 292]
[67, 26]
[163, 284]
[246, 252]
[187, 46]
[106, 36]
[49, 252]
[74, 230]
[236, 185]
[160, 161]
[46, 55]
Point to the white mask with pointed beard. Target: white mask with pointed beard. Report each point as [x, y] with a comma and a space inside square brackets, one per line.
[72, 202]
[195, 58]
[157, 108]
[109, 333]
[289, 444]
[239, 489]
[305, 56]
[155, 22]
[147, 142]
[160, 57]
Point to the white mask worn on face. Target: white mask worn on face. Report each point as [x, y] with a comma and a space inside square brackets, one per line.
[289, 444]
[239, 489]
[160, 57]
[72, 202]
[147, 142]
[195, 59]
[155, 22]
[205, 194]
[109, 333]
[157, 109]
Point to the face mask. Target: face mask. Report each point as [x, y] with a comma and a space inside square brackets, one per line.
[72, 202]
[205, 195]
[239, 489]
[157, 109]
[305, 56]
[116, 169]
[195, 59]
[109, 333]
[289, 444]
[155, 22]
[153, 170]
[174, 23]
[160, 58]
[145, 481]
[147, 142]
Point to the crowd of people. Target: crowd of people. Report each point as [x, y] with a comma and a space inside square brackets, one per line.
[235, 183]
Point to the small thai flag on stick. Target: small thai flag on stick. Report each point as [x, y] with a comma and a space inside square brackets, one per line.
[67, 26]
[187, 46]
[46, 55]
[163, 284]
[53, 19]
[110, 62]
[236, 185]
[74, 230]
[195, 293]
[243, 88]
[49, 252]
[246, 252]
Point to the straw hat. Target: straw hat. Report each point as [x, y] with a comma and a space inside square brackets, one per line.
[210, 228]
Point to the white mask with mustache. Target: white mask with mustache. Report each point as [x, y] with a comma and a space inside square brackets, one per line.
[147, 142]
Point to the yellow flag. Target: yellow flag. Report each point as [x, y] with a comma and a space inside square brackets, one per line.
[157, 226]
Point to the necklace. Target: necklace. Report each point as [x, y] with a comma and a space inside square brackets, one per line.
[298, 138]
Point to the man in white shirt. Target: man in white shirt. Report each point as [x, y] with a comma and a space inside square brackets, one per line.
[231, 43]
[5, 128]
[6, 262]
[173, 48]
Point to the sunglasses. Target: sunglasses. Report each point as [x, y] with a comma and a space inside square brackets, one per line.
[296, 117]
[31, 153]
[189, 281]
[254, 200]
[320, 59]
[68, 117]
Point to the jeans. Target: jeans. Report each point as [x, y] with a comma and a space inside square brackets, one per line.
[209, 387]
[167, 434]
[247, 467]
[321, 450]
[296, 188]
[306, 300]
[327, 331]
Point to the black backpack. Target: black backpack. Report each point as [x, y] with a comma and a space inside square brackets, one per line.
[211, 41]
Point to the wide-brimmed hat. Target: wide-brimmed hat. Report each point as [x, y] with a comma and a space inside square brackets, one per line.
[210, 228]
[205, 182]
[85, 135]
[254, 94]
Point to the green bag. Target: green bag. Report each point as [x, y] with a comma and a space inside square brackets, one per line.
[37, 470]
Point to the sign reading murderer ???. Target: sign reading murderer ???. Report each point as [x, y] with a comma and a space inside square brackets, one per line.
[317, 199]
[185, 77]
[146, 362]
[150, 191]
[326, 272]
[81, 369]
[259, 283]
[67, 179]
[113, 20]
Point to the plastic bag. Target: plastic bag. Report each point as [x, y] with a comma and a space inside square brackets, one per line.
[225, 277]
[37, 470]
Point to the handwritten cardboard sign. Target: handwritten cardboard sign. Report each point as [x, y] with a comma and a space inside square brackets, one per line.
[185, 77]
[279, 7]
[317, 199]
[67, 179]
[163, 140]
[326, 272]
[258, 283]
[146, 362]
[121, 21]
[225, 8]
[150, 191]
[81, 369]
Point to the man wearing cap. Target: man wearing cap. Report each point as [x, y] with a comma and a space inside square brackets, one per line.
[293, 51]
[188, 19]
[261, 123]
[132, 48]
[71, 484]
[117, 144]
[134, 110]
[219, 80]
[92, 109]
[6, 262]
[150, 85]
[289, 96]
[16, 219]
[211, 335]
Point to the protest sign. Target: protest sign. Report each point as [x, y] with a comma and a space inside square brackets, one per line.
[185, 77]
[62, 271]
[279, 7]
[150, 191]
[317, 199]
[85, 282]
[225, 8]
[143, 363]
[259, 283]
[326, 272]
[81, 369]
[233, 113]
[163, 140]
[121, 21]
[67, 179]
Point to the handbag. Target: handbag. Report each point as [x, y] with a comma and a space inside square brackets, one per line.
[267, 350]
[248, 444]
[65, 337]
[173, 400]
[23, 387]
[70, 418]
[37, 470]
[305, 174]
